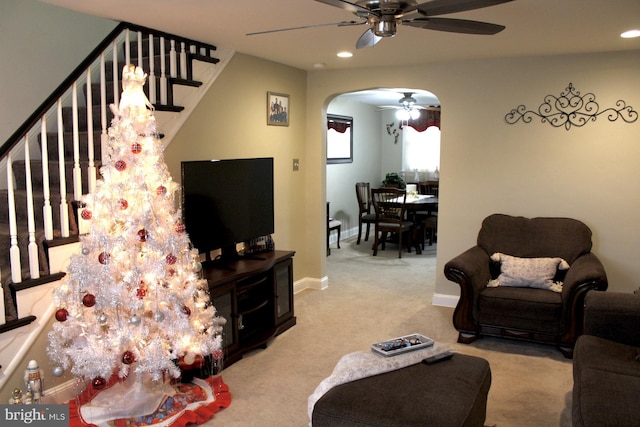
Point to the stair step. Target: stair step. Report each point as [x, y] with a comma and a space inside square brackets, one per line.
[20, 174]
[83, 139]
[17, 323]
[31, 283]
[205, 58]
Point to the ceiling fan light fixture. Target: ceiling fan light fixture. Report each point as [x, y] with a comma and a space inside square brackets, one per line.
[403, 115]
[385, 27]
[414, 113]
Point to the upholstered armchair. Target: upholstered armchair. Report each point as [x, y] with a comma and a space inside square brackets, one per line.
[526, 279]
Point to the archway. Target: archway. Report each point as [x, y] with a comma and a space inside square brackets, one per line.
[380, 141]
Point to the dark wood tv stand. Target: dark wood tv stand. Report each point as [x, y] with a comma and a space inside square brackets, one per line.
[255, 296]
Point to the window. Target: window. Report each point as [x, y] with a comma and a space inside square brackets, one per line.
[339, 139]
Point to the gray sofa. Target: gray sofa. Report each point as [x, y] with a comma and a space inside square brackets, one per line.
[606, 362]
[528, 313]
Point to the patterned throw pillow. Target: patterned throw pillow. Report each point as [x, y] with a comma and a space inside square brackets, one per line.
[528, 272]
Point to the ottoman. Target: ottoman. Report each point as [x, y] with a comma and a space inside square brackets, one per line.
[449, 393]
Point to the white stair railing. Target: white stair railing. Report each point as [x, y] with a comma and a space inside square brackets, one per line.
[58, 127]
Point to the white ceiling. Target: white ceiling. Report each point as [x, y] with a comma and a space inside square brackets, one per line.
[534, 27]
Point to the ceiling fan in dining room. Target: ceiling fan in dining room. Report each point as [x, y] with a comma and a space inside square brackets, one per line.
[408, 107]
[384, 16]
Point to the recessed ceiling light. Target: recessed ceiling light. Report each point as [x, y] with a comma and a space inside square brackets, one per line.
[345, 54]
[630, 34]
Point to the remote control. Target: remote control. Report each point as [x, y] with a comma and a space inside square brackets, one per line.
[438, 357]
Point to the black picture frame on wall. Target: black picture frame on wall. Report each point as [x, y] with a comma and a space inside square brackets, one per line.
[277, 109]
[339, 139]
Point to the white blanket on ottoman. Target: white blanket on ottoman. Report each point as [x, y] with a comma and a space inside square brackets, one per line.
[362, 364]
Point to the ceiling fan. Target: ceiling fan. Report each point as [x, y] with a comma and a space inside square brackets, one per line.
[384, 16]
[409, 107]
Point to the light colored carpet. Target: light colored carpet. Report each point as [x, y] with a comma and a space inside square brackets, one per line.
[371, 299]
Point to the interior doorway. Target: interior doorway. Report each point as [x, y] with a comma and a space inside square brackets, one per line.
[384, 142]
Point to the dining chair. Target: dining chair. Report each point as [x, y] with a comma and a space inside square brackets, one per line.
[332, 224]
[365, 213]
[430, 226]
[389, 206]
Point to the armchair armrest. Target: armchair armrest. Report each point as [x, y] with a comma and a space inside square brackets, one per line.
[585, 274]
[471, 270]
[473, 265]
[585, 269]
[614, 316]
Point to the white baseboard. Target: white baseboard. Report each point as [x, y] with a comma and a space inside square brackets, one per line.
[444, 300]
[310, 283]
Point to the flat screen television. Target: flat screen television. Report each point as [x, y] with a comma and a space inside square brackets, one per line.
[225, 202]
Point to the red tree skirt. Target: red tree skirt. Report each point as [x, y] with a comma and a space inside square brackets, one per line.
[172, 406]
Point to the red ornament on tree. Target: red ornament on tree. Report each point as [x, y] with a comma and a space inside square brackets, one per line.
[104, 257]
[61, 314]
[180, 228]
[99, 383]
[171, 259]
[161, 190]
[121, 165]
[123, 204]
[142, 235]
[141, 292]
[86, 214]
[128, 357]
[136, 148]
[89, 300]
[186, 310]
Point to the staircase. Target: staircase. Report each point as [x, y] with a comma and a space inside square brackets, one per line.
[54, 158]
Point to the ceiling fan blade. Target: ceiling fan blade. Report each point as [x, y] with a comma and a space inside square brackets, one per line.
[339, 24]
[441, 7]
[368, 39]
[346, 5]
[455, 25]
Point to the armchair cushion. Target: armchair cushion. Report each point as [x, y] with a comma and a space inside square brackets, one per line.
[528, 272]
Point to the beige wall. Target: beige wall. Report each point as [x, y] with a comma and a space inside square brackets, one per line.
[41, 45]
[488, 166]
[341, 177]
[231, 122]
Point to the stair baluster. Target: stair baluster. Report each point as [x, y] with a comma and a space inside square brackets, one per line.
[64, 212]
[91, 169]
[32, 247]
[46, 209]
[14, 251]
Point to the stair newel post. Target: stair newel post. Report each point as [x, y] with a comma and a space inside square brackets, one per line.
[173, 60]
[152, 75]
[77, 173]
[32, 247]
[116, 89]
[64, 213]
[14, 251]
[183, 61]
[103, 108]
[163, 76]
[47, 213]
[91, 170]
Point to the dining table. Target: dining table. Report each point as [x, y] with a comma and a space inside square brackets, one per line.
[421, 203]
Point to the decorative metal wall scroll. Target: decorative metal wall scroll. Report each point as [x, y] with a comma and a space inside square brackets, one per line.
[571, 109]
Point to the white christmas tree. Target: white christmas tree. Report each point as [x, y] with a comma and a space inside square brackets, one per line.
[133, 302]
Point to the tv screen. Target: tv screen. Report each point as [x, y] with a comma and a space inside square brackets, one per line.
[225, 202]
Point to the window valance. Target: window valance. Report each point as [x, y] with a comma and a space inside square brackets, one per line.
[427, 119]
